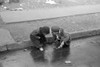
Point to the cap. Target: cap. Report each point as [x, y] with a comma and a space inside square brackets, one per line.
[55, 29]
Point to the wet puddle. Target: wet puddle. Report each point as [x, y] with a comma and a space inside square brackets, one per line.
[82, 53]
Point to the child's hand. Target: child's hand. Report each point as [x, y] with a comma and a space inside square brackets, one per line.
[61, 45]
[41, 49]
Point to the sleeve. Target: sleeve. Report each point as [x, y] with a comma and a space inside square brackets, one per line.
[33, 35]
[66, 37]
[35, 39]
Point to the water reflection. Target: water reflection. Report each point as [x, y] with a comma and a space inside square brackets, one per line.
[58, 55]
[37, 55]
[1, 65]
[61, 55]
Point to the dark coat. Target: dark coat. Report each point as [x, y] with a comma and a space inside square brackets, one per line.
[37, 38]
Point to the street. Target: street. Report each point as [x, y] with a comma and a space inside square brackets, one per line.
[82, 53]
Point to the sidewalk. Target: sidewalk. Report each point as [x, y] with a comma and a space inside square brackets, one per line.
[5, 39]
[78, 26]
[8, 43]
[36, 14]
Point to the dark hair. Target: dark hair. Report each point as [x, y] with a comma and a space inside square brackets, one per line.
[45, 29]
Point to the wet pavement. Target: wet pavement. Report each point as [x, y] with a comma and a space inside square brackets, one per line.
[82, 53]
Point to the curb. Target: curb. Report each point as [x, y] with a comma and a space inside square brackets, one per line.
[86, 33]
[28, 43]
